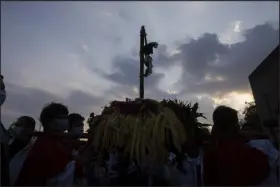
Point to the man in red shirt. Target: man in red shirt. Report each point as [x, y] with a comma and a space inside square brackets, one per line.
[230, 161]
[48, 157]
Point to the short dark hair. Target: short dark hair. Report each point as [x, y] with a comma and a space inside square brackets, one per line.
[73, 118]
[51, 111]
[28, 121]
[224, 118]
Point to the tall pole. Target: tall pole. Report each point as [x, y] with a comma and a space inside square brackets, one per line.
[141, 85]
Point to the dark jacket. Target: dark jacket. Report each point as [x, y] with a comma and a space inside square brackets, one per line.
[4, 157]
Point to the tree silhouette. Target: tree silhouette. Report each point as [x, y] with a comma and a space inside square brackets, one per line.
[251, 118]
[250, 111]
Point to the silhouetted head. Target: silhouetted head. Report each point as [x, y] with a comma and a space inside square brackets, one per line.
[54, 117]
[225, 121]
[24, 123]
[76, 123]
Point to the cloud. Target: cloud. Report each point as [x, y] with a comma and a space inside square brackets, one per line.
[233, 99]
[233, 33]
[30, 101]
[126, 77]
[209, 66]
[90, 49]
[211, 71]
[127, 71]
[212, 67]
[216, 73]
[85, 47]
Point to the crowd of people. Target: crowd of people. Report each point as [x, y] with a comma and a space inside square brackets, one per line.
[228, 157]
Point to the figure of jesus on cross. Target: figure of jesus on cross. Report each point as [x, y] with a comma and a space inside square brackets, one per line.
[146, 50]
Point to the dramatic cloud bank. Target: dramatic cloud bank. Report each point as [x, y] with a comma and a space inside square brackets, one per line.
[85, 54]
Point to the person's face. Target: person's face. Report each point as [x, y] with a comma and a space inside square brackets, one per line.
[21, 128]
[78, 127]
[26, 125]
[59, 123]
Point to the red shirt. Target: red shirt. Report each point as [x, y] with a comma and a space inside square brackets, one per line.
[47, 158]
[233, 163]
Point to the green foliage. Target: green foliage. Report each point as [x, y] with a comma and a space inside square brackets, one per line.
[184, 109]
[186, 112]
[251, 119]
[250, 111]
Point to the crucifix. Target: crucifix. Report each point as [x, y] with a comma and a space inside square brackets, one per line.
[146, 50]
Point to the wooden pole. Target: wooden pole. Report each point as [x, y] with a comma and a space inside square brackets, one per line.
[141, 84]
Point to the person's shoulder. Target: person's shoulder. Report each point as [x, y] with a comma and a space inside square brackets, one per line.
[250, 151]
[252, 135]
[43, 144]
[265, 146]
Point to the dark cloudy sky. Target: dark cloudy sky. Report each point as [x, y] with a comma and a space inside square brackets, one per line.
[85, 54]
